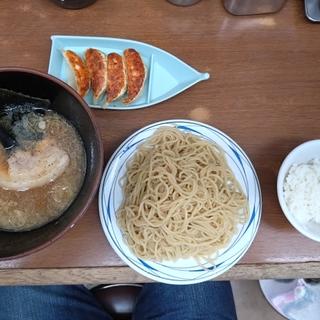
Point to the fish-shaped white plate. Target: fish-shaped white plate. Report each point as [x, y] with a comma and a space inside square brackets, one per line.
[167, 75]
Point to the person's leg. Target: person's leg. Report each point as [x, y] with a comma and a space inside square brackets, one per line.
[49, 303]
[205, 301]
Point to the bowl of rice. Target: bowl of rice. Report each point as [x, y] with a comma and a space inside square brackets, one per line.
[298, 188]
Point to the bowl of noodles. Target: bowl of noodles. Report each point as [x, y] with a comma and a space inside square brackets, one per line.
[51, 159]
[180, 202]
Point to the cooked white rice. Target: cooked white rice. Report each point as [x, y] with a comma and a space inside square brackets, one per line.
[302, 191]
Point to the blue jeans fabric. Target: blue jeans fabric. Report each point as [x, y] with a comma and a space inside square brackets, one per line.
[49, 303]
[206, 301]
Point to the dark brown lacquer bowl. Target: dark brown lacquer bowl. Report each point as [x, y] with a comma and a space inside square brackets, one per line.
[67, 102]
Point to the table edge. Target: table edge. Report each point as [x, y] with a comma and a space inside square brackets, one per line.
[99, 275]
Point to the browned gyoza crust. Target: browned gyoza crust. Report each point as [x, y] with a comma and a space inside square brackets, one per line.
[97, 67]
[80, 72]
[117, 78]
[136, 74]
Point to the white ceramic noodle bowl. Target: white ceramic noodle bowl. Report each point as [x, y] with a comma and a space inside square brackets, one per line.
[183, 271]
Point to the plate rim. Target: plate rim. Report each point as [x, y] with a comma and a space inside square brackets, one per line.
[119, 252]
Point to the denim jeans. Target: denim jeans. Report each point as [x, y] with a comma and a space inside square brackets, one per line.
[206, 301]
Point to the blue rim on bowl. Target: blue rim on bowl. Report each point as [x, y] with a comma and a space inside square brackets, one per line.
[183, 271]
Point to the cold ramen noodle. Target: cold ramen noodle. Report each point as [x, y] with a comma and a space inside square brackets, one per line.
[42, 175]
[181, 199]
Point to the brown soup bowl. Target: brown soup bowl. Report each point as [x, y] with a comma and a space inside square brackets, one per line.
[65, 101]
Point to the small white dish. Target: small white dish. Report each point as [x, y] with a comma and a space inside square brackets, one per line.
[301, 154]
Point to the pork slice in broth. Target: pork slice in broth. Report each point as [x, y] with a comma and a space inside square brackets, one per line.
[27, 169]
